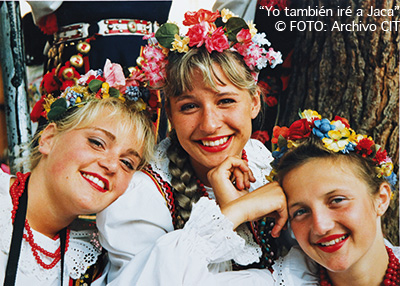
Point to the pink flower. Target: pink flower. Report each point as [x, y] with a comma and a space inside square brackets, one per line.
[153, 54]
[243, 36]
[197, 34]
[113, 74]
[217, 42]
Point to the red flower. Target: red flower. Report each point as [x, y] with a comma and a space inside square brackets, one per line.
[299, 129]
[284, 131]
[271, 101]
[49, 82]
[217, 42]
[343, 120]
[243, 36]
[380, 156]
[37, 110]
[48, 24]
[197, 34]
[261, 136]
[364, 147]
[192, 18]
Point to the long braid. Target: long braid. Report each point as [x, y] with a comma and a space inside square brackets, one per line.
[183, 181]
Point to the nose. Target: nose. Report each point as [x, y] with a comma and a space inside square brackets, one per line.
[109, 163]
[322, 222]
[210, 120]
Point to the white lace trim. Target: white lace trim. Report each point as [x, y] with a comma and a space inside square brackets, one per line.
[212, 235]
[82, 251]
[259, 161]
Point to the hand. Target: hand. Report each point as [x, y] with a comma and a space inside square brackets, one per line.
[268, 200]
[230, 180]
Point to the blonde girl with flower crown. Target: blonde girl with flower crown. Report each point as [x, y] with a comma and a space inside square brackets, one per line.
[211, 99]
[84, 160]
[336, 194]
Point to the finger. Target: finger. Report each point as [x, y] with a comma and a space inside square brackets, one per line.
[239, 178]
[280, 223]
[246, 176]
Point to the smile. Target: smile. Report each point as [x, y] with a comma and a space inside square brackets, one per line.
[99, 183]
[331, 244]
[216, 144]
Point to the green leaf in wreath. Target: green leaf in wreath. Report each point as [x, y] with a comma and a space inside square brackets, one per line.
[113, 92]
[165, 35]
[95, 85]
[233, 26]
[57, 110]
[282, 142]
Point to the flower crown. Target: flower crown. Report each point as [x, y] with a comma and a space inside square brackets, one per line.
[336, 136]
[214, 30]
[65, 88]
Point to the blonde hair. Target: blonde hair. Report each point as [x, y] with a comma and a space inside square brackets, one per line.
[131, 120]
[181, 69]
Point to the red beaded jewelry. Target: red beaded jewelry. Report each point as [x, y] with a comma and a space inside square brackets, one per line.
[16, 191]
[392, 275]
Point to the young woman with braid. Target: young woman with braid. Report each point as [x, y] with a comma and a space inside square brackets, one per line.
[211, 99]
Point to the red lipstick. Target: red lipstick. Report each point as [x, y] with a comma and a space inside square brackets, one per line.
[334, 247]
[214, 149]
[97, 187]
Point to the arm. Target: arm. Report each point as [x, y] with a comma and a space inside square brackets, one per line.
[187, 256]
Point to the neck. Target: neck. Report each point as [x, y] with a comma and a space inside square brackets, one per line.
[368, 271]
[44, 213]
[200, 172]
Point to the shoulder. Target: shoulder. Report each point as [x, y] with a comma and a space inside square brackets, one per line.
[160, 161]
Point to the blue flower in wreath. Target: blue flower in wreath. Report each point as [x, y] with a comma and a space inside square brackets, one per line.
[132, 93]
[277, 155]
[322, 127]
[392, 180]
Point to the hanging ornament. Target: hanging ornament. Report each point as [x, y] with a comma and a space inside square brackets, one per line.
[83, 47]
[76, 61]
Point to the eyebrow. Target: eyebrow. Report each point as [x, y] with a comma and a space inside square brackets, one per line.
[112, 137]
[301, 203]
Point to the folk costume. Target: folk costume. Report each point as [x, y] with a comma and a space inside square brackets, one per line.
[83, 249]
[130, 226]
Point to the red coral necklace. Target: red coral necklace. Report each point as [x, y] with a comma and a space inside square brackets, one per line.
[392, 275]
[16, 191]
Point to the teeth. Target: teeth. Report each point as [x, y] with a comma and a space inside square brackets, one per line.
[94, 180]
[333, 242]
[215, 143]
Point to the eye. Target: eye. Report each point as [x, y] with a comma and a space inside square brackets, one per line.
[298, 213]
[95, 142]
[128, 164]
[226, 101]
[337, 200]
[188, 107]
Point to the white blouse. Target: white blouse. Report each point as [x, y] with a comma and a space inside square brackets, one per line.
[186, 256]
[82, 252]
[130, 226]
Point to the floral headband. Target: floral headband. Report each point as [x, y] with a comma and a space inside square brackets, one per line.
[65, 88]
[214, 30]
[336, 136]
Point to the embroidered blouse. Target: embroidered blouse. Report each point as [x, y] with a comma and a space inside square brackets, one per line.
[82, 252]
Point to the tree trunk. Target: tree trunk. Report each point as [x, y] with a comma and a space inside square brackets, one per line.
[353, 74]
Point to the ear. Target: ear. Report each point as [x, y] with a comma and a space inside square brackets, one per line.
[383, 198]
[47, 139]
[256, 104]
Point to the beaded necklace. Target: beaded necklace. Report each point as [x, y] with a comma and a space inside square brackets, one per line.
[392, 275]
[16, 191]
